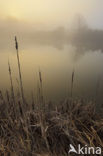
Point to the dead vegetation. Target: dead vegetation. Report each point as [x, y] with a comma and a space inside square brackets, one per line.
[36, 128]
[36, 131]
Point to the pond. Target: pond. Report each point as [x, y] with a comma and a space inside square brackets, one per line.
[56, 63]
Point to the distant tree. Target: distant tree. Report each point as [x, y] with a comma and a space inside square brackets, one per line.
[79, 23]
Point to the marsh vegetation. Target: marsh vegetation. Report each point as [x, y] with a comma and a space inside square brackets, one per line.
[41, 127]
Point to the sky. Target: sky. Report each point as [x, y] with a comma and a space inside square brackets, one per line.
[51, 13]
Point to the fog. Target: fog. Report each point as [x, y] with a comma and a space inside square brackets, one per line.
[56, 36]
[53, 13]
[36, 20]
[79, 34]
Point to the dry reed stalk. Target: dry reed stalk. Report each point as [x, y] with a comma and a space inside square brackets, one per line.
[33, 102]
[42, 102]
[42, 112]
[12, 89]
[11, 82]
[8, 98]
[19, 68]
[1, 97]
[72, 83]
[3, 105]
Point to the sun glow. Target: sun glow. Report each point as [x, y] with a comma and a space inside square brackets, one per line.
[48, 11]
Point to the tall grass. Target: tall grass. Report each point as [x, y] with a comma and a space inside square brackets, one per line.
[19, 68]
[12, 88]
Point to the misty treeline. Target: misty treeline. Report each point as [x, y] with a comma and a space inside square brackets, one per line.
[87, 38]
[79, 34]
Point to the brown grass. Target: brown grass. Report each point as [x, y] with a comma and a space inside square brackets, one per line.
[46, 128]
[35, 132]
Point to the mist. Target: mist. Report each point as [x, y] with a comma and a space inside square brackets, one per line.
[78, 33]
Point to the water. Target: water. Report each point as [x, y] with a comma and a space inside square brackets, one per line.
[56, 63]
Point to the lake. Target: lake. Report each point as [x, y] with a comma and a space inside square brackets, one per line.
[56, 62]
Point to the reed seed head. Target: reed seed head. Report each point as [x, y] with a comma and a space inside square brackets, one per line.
[16, 43]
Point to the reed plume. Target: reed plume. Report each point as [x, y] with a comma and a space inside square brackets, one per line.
[19, 68]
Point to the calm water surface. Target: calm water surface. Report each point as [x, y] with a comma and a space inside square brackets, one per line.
[56, 64]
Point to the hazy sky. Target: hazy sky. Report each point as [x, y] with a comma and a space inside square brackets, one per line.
[51, 13]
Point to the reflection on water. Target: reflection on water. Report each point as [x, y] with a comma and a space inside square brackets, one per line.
[56, 66]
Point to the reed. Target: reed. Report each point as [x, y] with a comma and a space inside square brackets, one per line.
[72, 83]
[42, 113]
[12, 89]
[11, 82]
[19, 68]
[41, 90]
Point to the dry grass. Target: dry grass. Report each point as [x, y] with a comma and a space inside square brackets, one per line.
[34, 129]
[35, 132]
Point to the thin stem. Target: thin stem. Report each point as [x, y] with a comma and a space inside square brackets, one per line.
[12, 88]
[19, 68]
[72, 83]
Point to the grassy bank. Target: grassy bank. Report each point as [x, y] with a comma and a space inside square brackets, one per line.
[29, 130]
